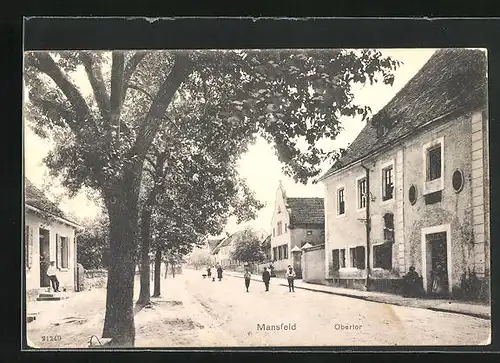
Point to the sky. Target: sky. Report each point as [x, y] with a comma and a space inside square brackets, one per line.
[260, 165]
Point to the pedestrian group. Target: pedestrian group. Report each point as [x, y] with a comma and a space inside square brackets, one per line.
[266, 277]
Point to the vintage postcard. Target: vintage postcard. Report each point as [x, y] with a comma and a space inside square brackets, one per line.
[256, 198]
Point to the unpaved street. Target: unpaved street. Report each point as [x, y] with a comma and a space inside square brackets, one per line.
[324, 319]
[196, 312]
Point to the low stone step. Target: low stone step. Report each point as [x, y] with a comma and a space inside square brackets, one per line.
[31, 316]
[51, 297]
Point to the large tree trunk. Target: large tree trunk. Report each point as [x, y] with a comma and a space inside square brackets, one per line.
[173, 269]
[157, 287]
[119, 318]
[145, 293]
[166, 269]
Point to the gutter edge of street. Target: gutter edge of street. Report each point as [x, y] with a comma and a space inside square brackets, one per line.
[367, 298]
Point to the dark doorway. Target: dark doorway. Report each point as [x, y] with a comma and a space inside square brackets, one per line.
[438, 282]
[44, 257]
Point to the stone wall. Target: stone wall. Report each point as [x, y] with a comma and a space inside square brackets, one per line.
[313, 266]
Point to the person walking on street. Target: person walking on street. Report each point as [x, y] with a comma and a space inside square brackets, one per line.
[51, 273]
[219, 272]
[209, 272]
[290, 276]
[266, 277]
[247, 275]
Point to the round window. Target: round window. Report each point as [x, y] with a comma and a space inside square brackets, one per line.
[412, 194]
[457, 180]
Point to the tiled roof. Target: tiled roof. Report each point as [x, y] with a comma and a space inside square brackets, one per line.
[212, 243]
[34, 197]
[306, 210]
[451, 80]
[266, 241]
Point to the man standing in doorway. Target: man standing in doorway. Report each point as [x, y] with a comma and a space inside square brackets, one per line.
[51, 273]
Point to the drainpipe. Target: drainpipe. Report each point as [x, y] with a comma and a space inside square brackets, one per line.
[367, 225]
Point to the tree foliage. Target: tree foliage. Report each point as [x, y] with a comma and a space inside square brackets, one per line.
[200, 258]
[93, 244]
[247, 247]
[293, 98]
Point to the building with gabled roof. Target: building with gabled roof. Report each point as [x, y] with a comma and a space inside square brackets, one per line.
[413, 189]
[295, 222]
[49, 235]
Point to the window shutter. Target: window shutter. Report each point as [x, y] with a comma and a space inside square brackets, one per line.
[58, 251]
[26, 245]
[360, 256]
[30, 248]
[336, 260]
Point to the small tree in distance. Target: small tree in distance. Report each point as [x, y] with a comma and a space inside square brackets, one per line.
[247, 247]
[200, 258]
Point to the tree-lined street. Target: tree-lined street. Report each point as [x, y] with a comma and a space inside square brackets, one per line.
[198, 312]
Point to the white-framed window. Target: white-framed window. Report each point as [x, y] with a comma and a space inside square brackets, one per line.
[309, 233]
[62, 252]
[387, 179]
[279, 225]
[341, 201]
[361, 192]
[433, 165]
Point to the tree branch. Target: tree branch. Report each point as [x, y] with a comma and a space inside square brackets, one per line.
[52, 108]
[130, 69]
[117, 85]
[149, 127]
[44, 63]
[140, 89]
[96, 80]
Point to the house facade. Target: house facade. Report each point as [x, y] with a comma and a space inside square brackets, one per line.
[413, 187]
[295, 222]
[49, 235]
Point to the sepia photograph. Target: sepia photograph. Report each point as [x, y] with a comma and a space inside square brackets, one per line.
[204, 198]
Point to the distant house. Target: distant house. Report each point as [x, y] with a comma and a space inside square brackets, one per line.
[222, 251]
[49, 235]
[417, 177]
[266, 248]
[295, 222]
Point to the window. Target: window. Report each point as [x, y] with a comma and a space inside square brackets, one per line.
[434, 163]
[457, 180]
[309, 233]
[387, 183]
[274, 232]
[342, 258]
[382, 256]
[412, 194]
[275, 253]
[279, 209]
[335, 260]
[286, 227]
[389, 227]
[65, 252]
[285, 252]
[357, 255]
[280, 252]
[280, 231]
[362, 193]
[340, 202]
[62, 251]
